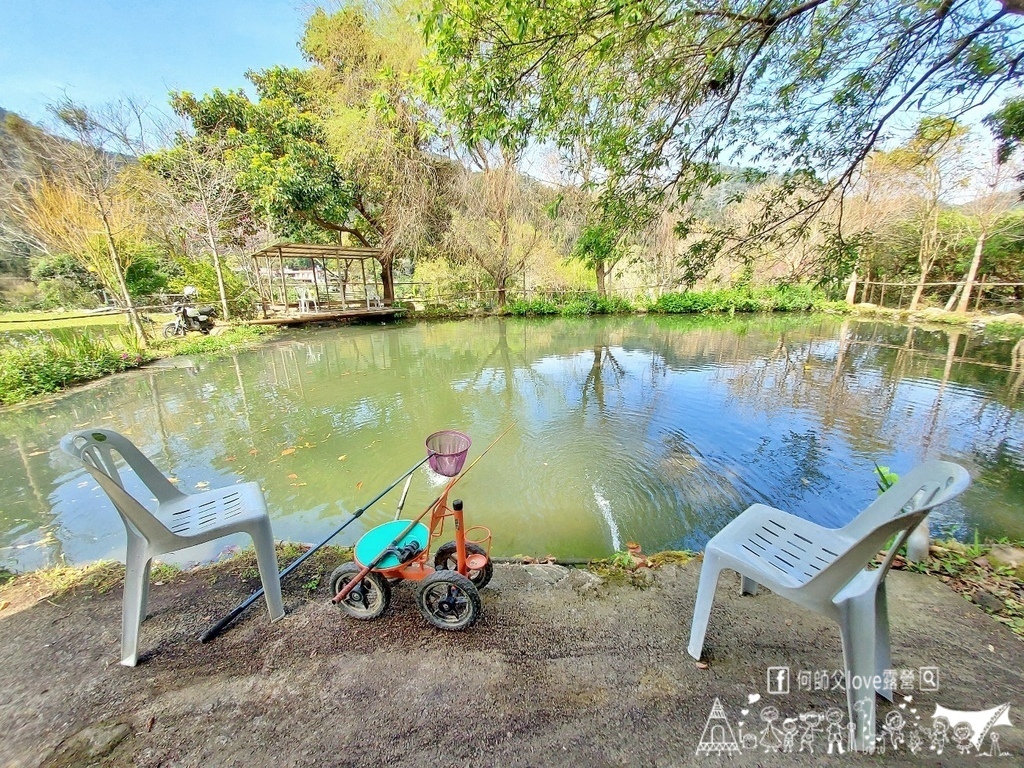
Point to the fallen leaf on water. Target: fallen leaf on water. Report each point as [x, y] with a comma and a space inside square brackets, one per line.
[37, 453]
[328, 435]
[254, 451]
[3, 605]
[202, 484]
[230, 458]
[173, 480]
[343, 457]
[359, 485]
[287, 451]
[297, 485]
[293, 476]
[308, 444]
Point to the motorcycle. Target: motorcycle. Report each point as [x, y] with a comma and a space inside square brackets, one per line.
[188, 318]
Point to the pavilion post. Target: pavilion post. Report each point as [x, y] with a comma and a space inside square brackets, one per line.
[366, 293]
[284, 285]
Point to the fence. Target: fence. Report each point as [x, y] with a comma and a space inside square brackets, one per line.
[985, 296]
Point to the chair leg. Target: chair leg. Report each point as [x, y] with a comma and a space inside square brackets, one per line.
[883, 654]
[858, 630]
[266, 559]
[709, 573]
[747, 585]
[136, 594]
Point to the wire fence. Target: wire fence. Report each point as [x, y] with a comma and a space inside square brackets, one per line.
[986, 296]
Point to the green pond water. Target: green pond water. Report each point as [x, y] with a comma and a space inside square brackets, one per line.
[658, 430]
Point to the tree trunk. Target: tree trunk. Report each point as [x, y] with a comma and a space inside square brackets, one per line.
[601, 274]
[500, 283]
[115, 258]
[218, 269]
[965, 297]
[851, 290]
[387, 279]
[918, 290]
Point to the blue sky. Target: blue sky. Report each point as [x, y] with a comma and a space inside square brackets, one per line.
[97, 51]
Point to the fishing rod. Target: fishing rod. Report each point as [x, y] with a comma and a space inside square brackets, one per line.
[393, 547]
[217, 628]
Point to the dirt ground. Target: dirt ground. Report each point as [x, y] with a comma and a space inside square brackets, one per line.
[562, 670]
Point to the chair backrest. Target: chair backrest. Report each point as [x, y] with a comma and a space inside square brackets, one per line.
[896, 512]
[95, 448]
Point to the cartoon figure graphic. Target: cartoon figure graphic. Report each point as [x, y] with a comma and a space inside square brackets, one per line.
[915, 741]
[718, 736]
[939, 735]
[995, 751]
[771, 737]
[962, 734]
[893, 728]
[789, 729]
[835, 730]
[811, 721]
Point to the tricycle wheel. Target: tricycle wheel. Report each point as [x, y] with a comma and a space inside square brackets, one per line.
[448, 600]
[368, 599]
[447, 559]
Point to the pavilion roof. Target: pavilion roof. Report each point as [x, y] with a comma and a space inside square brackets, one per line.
[316, 251]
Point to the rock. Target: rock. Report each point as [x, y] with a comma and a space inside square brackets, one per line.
[89, 745]
[1010, 318]
[988, 601]
[1008, 556]
[549, 574]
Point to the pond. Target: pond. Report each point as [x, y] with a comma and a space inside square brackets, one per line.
[653, 429]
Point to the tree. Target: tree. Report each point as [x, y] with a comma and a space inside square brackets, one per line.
[77, 204]
[204, 200]
[497, 218]
[933, 164]
[338, 148]
[986, 214]
[281, 157]
[671, 92]
[365, 58]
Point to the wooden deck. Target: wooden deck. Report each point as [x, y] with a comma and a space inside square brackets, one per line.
[326, 316]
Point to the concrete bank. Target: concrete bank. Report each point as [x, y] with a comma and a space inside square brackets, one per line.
[562, 670]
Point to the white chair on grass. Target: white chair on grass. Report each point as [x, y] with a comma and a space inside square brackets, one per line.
[180, 520]
[823, 570]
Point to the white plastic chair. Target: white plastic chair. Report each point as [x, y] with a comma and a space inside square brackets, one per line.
[823, 569]
[179, 521]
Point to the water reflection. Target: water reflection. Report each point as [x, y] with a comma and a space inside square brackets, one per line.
[653, 429]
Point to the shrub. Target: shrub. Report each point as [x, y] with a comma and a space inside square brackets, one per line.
[526, 307]
[44, 364]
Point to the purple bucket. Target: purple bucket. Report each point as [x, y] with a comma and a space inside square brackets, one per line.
[446, 451]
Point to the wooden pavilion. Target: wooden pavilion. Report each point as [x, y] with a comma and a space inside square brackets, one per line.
[306, 282]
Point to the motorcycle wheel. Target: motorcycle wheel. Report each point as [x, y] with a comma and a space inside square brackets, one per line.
[171, 329]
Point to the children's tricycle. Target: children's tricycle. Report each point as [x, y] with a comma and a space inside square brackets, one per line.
[447, 594]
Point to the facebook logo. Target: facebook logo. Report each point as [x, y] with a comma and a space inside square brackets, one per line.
[778, 680]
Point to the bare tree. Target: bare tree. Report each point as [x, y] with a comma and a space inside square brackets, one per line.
[77, 203]
[997, 196]
[205, 206]
[497, 217]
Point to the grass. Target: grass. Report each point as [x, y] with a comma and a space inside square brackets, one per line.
[52, 361]
[782, 298]
[967, 570]
[76, 318]
[570, 305]
[49, 363]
